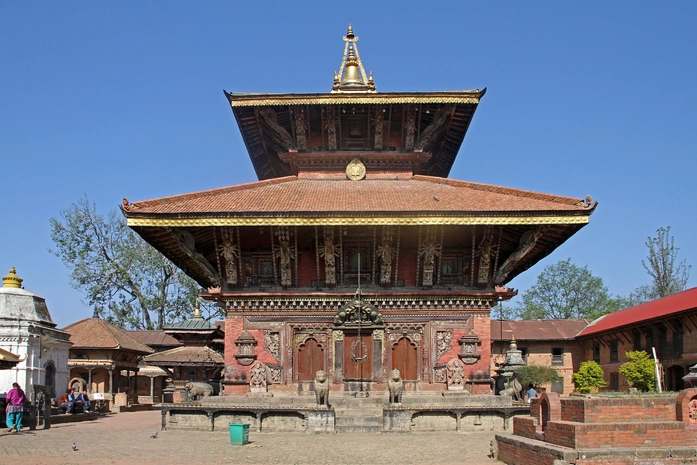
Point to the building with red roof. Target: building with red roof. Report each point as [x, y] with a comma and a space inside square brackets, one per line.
[668, 325]
[354, 253]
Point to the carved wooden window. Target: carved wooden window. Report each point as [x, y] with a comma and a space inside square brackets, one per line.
[454, 267]
[557, 356]
[259, 268]
[355, 129]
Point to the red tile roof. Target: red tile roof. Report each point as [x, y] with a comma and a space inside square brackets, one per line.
[310, 196]
[185, 355]
[536, 330]
[676, 303]
[95, 333]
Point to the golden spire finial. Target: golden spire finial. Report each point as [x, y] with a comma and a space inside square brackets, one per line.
[197, 310]
[12, 280]
[351, 76]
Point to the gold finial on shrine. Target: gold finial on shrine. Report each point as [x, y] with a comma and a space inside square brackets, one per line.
[12, 280]
[351, 76]
[197, 310]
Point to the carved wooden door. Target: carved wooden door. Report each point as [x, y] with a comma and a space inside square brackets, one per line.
[310, 360]
[358, 357]
[405, 359]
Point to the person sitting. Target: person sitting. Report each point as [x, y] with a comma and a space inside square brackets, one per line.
[63, 402]
[76, 402]
[85, 402]
[531, 393]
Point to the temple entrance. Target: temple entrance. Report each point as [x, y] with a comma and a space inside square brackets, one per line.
[310, 359]
[358, 357]
[405, 359]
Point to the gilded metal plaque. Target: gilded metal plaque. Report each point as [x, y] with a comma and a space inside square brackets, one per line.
[355, 170]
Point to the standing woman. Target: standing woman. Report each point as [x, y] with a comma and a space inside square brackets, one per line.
[15, 406]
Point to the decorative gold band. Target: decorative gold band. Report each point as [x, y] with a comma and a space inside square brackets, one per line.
[357, 221]
[344, 99]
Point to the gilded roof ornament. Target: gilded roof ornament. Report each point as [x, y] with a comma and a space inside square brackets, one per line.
[12, 280]
[355, 170]
[351, 76]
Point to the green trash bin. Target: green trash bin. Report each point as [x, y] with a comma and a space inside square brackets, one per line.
[239, 433]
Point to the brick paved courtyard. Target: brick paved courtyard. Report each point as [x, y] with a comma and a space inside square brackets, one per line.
[125, 439]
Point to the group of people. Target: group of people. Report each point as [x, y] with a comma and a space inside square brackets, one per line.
[73, 401]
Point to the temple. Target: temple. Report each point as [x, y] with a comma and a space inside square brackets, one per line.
[354, 253]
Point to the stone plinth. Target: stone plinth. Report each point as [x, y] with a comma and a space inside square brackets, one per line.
[396, 420]
[320, 421]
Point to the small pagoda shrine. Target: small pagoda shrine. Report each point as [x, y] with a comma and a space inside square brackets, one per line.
[354, 253]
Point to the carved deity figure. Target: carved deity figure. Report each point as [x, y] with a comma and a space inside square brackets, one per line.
[429, 249]
[456, 375]
[378, 128]
[411, 127]
[329, 251]
[300, 128]
[230, 253]
[386, 252]
[258, 378]
[285, 254]
[484, 254]
[330, 126]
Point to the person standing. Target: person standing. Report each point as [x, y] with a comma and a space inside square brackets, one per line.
[14, 408]
[531, 393]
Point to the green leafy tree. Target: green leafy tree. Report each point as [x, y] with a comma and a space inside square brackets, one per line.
[668, 276]
[537, 375]
[564, 290]
[588, 377]
[124, 279]
[639, 370]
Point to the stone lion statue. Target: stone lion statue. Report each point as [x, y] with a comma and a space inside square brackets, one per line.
[513, 389]
[322, 389]
[195, 391]
[396, 387]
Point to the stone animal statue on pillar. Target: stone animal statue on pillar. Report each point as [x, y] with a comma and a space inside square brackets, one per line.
[513, 390]
[396, 387]
[196, 391]
[322, 389]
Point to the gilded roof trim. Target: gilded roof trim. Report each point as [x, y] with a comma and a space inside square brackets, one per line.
[254, 100]
[353, 221]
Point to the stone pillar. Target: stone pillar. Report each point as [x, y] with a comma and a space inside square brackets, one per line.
[152, 389]
[89, 381]
[111, 384]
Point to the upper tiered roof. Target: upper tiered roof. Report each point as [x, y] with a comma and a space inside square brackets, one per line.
[424, 129]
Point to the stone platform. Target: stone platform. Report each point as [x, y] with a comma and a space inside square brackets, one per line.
[427, 411]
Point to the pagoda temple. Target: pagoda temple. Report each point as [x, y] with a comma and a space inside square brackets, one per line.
[354, 253]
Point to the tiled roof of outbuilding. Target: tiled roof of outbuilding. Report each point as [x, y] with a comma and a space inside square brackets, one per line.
[536, 330]
[154, 338]
[185, 355]
[95, 333]
[676, 303]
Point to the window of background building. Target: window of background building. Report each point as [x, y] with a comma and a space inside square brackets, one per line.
[557, 356]
[524, 352]
[636, 335]
[613, 351]
[596, 352]
[614, 381]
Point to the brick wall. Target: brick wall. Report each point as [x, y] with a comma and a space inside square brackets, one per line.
[637, 409]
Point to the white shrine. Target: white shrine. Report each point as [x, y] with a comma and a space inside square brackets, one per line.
[27, 330]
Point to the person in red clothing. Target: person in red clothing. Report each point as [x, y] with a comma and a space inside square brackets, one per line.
[14, 408]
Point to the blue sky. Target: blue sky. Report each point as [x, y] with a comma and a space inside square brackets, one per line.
[125, 99]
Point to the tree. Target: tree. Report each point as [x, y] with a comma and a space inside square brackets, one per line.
[639, 370]
[537, 375]
[668, 277]
[124, 279]
[588, 377]
[564, 290]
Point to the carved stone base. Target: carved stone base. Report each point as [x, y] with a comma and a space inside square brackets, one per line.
[259, 394]
[320, 421]
[396, 420]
